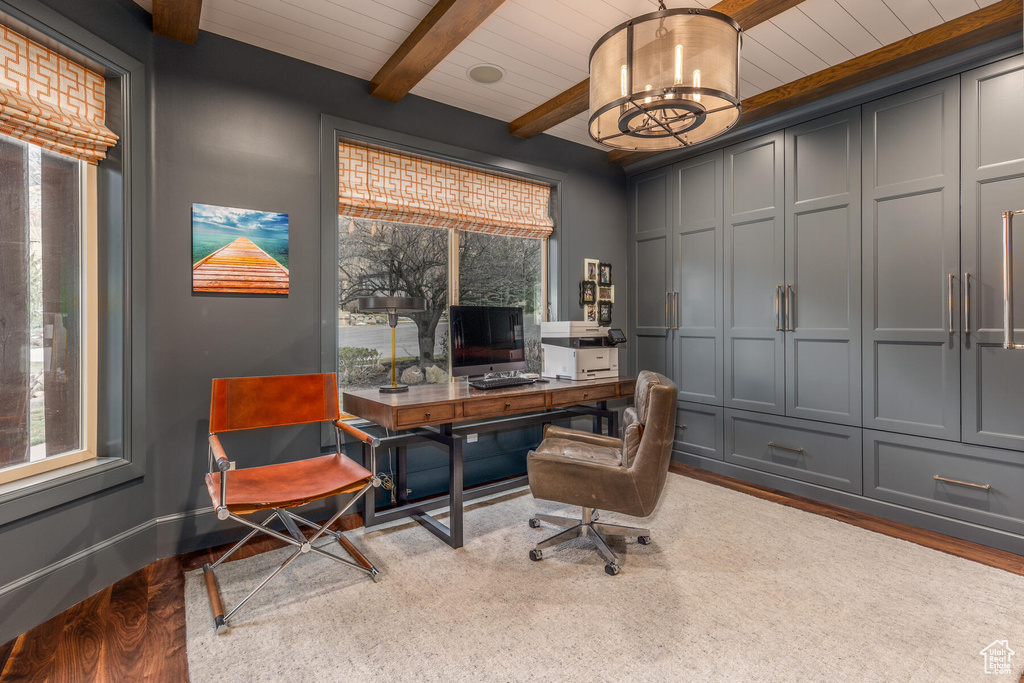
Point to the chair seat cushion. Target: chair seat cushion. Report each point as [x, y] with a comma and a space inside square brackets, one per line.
[288, 484]
[577, 450]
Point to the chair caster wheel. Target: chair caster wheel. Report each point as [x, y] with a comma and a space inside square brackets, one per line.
[643, 540]
[534, 523]
[611, 569]
[536, 555]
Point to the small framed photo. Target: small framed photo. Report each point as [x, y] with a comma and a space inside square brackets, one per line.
[590, 266]
[606, 293]
[588, 292]
[604, 274]
[604, 313]
[591, 313]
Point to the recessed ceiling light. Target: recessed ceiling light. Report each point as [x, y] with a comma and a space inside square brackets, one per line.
[485, 73]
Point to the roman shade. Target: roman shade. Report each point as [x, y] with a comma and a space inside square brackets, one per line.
[51, 101]
[402, 188]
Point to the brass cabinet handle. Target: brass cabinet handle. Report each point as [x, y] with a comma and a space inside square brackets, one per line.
[985, 487]
[668, 304]
[507, 404]
[778, 309]
[426, 415]
[785, 448]
[586, 393]
[952, 277]
[1008, 341]
[789, 308]
[967, 302]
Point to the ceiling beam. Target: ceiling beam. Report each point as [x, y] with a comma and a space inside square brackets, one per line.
[576, 100]
[446, 25]
[177, 19]
[995, 21]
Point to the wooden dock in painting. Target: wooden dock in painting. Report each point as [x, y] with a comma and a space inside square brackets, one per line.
[240, 268]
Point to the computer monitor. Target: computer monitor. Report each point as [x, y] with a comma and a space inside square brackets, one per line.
[486, 339]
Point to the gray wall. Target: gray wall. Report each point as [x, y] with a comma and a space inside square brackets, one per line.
[235, 125]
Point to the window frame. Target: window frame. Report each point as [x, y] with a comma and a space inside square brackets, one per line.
[332, 130]
[121, 199]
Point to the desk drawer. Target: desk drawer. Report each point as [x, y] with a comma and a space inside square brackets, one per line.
[816, 452]
[443, 412]
[502, 404]
[627, 388]
[577, 395]
[903, 469]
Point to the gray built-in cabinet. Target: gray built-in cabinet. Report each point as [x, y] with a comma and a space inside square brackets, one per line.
[828, 299]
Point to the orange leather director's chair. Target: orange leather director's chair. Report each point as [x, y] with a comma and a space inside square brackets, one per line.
[256, 402]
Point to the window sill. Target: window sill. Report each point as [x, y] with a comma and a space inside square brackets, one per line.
[42, 491]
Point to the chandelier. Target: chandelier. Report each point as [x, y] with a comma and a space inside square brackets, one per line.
[665, 80]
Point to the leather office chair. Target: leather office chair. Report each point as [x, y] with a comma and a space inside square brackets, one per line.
[595, 471]
[258, 402]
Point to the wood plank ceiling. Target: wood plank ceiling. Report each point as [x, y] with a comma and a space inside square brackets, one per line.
[544, 45]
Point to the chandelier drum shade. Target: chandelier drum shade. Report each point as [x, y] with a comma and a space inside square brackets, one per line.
[665, 80]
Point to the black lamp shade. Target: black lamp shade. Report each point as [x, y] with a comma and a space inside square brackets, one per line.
[392, 304]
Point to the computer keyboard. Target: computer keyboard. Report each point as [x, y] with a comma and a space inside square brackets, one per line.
[499, 382]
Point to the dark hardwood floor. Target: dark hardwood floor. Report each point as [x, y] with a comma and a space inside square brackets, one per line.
[135, 629]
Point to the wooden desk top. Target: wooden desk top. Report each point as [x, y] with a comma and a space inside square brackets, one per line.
[431, 404]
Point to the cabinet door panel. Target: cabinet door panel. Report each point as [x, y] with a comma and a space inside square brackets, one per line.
[993, 182]
[911, 247]
[697, 277]
[754, 267]
[823, 267]
[650, 211]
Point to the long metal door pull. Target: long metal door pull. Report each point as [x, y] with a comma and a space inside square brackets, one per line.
[985, 487]
[1008, 330]
[785, 448]
[778, 309]
[967, 302]
[952, 277]
[789, 308]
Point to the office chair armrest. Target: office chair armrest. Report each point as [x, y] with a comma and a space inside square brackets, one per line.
[357, 433]
[223, 464]
[556, 432]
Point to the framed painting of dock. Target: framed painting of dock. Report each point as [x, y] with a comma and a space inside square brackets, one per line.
[239, 251]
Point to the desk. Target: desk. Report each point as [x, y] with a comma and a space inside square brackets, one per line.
[429, 412]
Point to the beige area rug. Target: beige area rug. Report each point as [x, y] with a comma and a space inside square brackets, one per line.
[732, 588]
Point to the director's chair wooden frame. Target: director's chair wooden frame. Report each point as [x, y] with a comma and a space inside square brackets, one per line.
[245, 403]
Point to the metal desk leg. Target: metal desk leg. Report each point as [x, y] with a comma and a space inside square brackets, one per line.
[455, 482]
[401, 475]
[370, 498]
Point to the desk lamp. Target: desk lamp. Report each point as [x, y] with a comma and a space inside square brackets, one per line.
[393, 306]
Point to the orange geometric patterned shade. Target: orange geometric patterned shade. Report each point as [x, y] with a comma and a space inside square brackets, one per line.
[50, 101]
[385, 185]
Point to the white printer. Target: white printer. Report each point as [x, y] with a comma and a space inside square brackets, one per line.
[580, 350]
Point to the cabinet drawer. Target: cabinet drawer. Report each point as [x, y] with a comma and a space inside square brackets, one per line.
[584, 394]
[816, 452]
[443, 412]
[503, 404]
[700, 430]
[902, 469]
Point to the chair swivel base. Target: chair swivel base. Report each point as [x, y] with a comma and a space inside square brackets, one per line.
[587, 526]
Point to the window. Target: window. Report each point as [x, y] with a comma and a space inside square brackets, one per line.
[495, 270]
[418, 226]
[52, 136]
[385, 259]
[44, 226]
